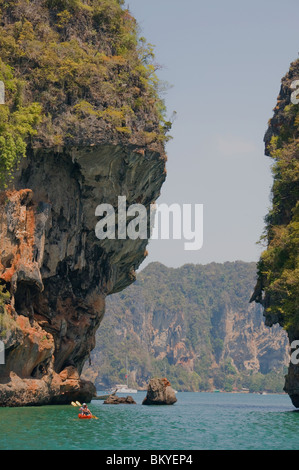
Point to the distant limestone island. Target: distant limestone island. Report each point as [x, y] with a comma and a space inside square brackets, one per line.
[194, 325]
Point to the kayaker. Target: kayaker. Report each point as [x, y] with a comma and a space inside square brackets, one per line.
[84, 410]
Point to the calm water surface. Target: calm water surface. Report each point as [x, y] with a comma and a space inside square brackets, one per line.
[214, 421]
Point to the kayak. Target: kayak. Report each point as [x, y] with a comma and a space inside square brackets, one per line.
[81, 416]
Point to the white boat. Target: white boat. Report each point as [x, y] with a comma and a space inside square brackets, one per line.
[124, 388]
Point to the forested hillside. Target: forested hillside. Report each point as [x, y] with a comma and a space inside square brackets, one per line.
[193, 324]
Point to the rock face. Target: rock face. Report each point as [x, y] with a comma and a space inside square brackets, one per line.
[99, 136]
[159, 392]
[277, 287]
[58, 272]
[115, 400]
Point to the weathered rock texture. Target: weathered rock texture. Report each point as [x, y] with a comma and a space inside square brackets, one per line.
[277, 288]
[56, 269]
[115, 400]
[159, 392]
[98, 134]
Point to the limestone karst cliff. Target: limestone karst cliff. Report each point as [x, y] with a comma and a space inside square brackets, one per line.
[193, 325]
[277, 287]
[99, 134]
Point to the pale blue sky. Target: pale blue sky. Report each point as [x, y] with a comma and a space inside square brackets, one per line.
[224, 61]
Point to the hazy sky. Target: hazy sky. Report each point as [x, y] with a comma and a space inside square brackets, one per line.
[224, 61]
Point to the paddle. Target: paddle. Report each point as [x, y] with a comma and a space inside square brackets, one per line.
[77, 403]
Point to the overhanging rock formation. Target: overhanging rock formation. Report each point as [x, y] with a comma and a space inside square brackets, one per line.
[82, 100]
[56, 269]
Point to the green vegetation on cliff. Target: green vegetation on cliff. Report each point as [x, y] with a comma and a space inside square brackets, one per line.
[17, 124]
[195, 326]
[278, 269]
[76, 73]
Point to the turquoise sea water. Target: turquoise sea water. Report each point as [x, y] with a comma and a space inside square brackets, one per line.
[212, 421]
